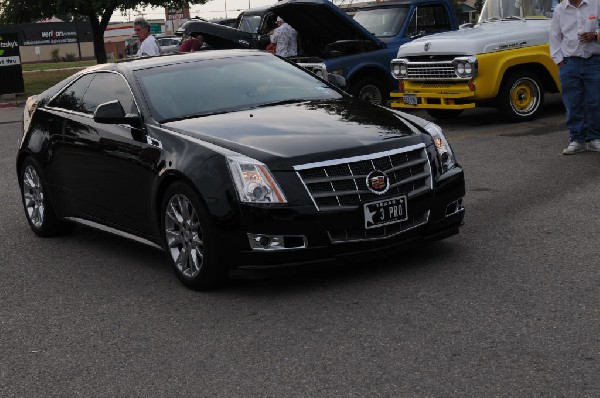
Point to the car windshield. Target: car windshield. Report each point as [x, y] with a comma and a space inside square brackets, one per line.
[495, 10]
[382, 22]
[209, 86]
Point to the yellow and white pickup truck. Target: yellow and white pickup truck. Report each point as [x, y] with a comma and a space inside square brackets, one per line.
[503, 61]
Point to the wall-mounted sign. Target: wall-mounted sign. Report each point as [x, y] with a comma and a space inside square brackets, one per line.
[50, 33]
[9, 49]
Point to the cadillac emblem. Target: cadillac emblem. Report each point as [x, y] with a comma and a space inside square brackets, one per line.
[378, 182]
[427, 46]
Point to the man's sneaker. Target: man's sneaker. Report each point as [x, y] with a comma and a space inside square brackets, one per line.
[574, 147]
[594, 145]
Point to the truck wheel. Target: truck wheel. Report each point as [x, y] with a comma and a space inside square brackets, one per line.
[370, 89]
[521, 96]
[444, 114]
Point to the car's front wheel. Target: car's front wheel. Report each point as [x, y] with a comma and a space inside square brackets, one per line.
[521, 96]
[36, 202]
[187, 239]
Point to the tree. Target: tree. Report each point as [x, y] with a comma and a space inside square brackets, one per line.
[98, 12]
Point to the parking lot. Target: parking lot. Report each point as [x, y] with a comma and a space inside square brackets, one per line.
[509, 307]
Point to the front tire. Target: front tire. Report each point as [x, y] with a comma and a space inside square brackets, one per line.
[188, 239]
[521, 96]
[36, 202]
[370, 89]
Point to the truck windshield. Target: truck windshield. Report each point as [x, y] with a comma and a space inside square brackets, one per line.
[382, 22]
[494, 10]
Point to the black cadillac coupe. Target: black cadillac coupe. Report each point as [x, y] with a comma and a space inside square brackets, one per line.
[233, 160]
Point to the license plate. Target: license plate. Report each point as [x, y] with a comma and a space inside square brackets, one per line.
[410, 99]
[385, 211]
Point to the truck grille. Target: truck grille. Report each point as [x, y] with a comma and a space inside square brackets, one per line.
[342, 183]
[431, 70]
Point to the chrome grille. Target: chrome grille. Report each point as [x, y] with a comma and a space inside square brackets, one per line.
[430, 70]
[342, 183]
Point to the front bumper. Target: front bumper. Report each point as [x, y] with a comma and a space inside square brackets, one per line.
[442, 205]
[450, 96]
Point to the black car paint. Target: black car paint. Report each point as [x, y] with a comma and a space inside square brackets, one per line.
[114, 175]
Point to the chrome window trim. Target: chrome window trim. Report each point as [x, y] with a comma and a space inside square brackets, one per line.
[85, 74]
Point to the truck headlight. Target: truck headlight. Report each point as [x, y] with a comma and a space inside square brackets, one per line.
[399, 68]
[465, 67]
[444, 151]
[253, 181]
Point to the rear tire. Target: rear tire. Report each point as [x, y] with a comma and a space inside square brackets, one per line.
[370, 89]
[36, 202]
[521, 96]
[444, 114]
[188, 239]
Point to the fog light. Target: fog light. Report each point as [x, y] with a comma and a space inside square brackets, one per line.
[263, 242]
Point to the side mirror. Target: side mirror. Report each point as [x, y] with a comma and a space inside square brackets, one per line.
[112, 112]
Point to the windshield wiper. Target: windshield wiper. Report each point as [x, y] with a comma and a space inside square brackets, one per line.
[282, 102]
[513, 18]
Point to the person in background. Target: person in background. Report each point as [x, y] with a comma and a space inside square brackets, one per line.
[148, 45]
[285, 38]
[193, 43]
[575, 49]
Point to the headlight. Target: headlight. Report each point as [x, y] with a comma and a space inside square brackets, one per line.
[399, 68]
[253, 181]
[444, 151]
[465, 67]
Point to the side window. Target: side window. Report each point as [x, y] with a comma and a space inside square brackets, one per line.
[427, 20]
[72, 98]
[107, 87]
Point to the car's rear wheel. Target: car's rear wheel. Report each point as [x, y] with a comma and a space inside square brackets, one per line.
[370, 89]
[187, 239]
[36, 202]
[521, 96]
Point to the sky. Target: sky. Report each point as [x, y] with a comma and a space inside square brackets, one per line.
[211, 10]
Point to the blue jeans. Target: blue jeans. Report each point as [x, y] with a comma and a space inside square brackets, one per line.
[580, 81]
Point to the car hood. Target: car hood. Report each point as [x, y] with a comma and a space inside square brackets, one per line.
[220, 37]
[482, 38]
[310, 131]
[322, 21]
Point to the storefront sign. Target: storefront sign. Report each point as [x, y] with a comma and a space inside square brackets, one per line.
[11, 72]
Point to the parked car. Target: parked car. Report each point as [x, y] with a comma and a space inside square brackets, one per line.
[168, 44]
[359, 48]
[234, 160]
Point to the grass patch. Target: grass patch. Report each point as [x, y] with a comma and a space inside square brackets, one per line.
[57, 65]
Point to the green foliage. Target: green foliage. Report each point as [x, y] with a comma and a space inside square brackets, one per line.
[69, 57]
[54, 55]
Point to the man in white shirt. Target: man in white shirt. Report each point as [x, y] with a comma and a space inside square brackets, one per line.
[574, 47]
[148, 45]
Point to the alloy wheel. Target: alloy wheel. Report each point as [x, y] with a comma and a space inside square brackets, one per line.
[33, 197]
[184, 236]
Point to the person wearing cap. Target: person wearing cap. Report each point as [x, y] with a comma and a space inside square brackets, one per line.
[148, 45]
[194, 43]
[285, 38]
